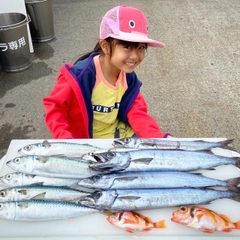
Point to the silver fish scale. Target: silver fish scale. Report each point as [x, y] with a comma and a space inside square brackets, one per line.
[55, 148]
[150, 160]
[21, 179]
[51, 166]
[157, 179]
[161, 198]
[37, 210]
[40, 192]
[151, 143]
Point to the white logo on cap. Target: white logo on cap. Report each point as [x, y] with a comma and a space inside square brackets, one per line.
[131, 24]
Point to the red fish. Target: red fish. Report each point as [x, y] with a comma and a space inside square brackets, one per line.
[203, 219]
[133, 221]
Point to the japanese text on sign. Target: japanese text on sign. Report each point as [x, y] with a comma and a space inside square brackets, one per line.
[13, 45]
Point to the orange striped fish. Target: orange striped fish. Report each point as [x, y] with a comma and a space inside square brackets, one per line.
[204, 219]
[133, 221]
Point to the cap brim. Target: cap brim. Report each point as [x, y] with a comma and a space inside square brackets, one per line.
[138, 38]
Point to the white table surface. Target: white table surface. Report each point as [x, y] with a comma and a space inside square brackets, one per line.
[94, 226]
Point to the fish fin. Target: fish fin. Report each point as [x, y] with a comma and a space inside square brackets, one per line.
[237, 225]
[236, 197]
[225, 143]
[46, 143]
[237, 161]
[37, 184]
[39, 196]
[146, 229]
[130, 221]
[234, 184]
[23, 191]
[211, 168]
[149, 144]
[23, 204]
[32, 175]
[128, 197]
[225, 217]
[226, 230]
[199, 216]
[145, 161]
[43, 159]
[107, 212]
[160, 224]
[207, 230]
[129, 230]
[125, 178]
[147, 219]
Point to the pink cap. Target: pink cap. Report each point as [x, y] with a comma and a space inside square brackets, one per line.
[128, 24]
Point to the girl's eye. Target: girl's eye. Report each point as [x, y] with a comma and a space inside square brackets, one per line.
[142, 47]
[127, 47]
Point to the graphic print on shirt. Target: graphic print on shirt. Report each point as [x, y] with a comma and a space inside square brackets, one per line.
[105, 109]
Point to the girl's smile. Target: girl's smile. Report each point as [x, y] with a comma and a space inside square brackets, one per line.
[123, 56]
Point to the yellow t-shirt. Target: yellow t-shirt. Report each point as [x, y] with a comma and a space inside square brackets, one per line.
[106, 100]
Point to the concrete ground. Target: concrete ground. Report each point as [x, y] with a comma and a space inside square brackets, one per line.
[191, 86]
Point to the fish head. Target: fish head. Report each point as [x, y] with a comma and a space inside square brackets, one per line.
[22, 163]
[100, 200]
[31, 149]
[7, 210]
[116, 218]
[8, 179]
[111, 161]
[183, 215]
[90, 181]
[35, 148]
[125, 142]
[5, 195]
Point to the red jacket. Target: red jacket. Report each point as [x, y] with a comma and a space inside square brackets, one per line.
[69, 111]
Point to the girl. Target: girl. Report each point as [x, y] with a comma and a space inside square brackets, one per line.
[99, 96]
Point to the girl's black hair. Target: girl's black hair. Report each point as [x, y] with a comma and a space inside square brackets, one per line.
[111, 42]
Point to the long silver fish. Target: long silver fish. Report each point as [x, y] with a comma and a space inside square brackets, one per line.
[141, 199]
[151, 143]
[47, 148]
[52, 166]
[42, 210]
[40, 192]
[17, 179]
[165, 160]
[141, 180]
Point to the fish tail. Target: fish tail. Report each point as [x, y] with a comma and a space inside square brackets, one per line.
[237, 161]
[234, 184]
[236, 197]
[237, 225]
[160, 224]
[225, 143]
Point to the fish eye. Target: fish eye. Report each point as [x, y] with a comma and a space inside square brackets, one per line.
[8, 176]
[27, 148]
[115, 214]
[110, 154]
[91, 154]
[17, 160]
[3, 194]
[96, 177]
[97, 195]
[183, 209]
[127, 140]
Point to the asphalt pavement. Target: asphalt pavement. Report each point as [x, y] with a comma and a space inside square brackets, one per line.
[191, 86]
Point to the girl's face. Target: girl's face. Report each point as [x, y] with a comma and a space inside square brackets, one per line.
[127, 56]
